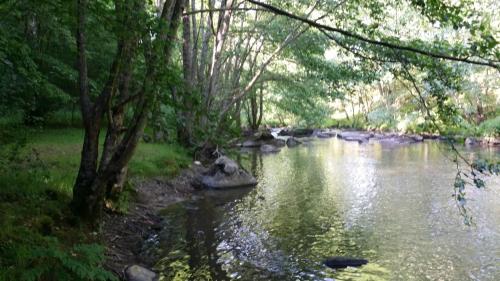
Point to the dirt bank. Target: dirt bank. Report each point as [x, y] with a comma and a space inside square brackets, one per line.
[124, 234]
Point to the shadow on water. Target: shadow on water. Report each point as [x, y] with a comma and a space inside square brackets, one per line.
[391, 206]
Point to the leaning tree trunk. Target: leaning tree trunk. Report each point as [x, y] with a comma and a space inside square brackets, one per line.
[93, 181]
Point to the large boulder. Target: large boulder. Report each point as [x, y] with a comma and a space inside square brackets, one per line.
[139, 273]
[292, 142]
[226, 173]
[296, 132]
[263, 135]
[269, 148]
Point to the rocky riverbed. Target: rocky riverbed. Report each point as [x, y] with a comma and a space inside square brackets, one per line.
[273, 139]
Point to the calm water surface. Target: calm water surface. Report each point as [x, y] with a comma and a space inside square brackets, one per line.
[392, 206]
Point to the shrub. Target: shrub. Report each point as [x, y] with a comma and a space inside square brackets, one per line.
[490, 127]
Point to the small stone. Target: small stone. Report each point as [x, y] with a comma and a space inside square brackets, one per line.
[139, 273]
[471, 141]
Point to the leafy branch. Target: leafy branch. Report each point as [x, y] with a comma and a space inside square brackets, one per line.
[385, 44]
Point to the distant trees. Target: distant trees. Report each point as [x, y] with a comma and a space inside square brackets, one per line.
[227, 47]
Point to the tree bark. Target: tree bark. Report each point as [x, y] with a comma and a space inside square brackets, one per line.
[93, 182]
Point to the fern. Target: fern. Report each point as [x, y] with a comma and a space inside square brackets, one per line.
[50, 261]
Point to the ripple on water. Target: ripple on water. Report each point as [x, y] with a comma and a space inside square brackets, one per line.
[391, 206]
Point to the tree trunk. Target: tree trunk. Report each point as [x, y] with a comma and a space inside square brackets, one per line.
[93, 181]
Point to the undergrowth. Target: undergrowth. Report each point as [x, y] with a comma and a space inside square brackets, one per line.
[39, 237]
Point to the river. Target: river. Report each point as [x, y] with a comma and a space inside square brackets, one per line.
[390, 205]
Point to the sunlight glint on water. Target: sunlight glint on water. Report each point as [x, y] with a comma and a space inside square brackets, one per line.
[392, 206]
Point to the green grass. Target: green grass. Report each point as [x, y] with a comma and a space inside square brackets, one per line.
[60, 150]
[39, 238]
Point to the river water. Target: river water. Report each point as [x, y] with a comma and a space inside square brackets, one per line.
[390, 205]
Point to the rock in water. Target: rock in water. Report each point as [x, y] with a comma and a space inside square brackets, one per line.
[296, 132]
[251, 143]
[268, 148]
[343, 262]
[291, 142]
[139, 273]
[355, 136]
[471, 141]
[225, 173]
[227, 165]
[277, 142]
[264, 135]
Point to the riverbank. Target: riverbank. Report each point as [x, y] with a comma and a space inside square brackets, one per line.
[38, 234]
[123, 235]
[36, 180]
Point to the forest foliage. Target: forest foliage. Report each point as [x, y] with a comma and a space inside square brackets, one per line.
[196, 73]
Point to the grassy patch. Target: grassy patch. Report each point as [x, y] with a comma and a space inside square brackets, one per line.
[39, 239]
[60, 150]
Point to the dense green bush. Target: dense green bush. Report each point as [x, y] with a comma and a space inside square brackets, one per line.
[381, 118]
[490, 127]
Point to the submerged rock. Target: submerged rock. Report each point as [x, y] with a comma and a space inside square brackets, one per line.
[355, 136]
[417, 138]
[343, 262]
[139, 273]
[268, 148]
[404, 139]
[251, 143]
[324, 134]
[226, 173]
[277, 142]
[292, 142]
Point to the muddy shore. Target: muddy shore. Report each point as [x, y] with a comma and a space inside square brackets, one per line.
[124, 234]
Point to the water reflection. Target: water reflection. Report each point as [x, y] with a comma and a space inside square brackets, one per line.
[389, 205]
